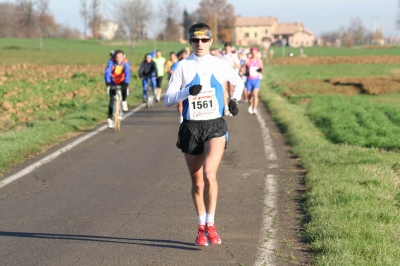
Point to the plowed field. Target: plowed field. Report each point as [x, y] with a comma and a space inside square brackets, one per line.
[346, 86]
[329, 60]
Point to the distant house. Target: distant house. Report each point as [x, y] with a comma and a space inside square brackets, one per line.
[295, 34]
[108, 29]
[254, 30]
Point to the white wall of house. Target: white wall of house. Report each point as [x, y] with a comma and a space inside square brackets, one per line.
[252, 35]
[108, 30]
[301, 38]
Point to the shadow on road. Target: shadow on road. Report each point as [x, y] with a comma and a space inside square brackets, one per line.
[162, 243]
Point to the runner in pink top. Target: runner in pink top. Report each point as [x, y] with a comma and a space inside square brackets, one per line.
[254, 67]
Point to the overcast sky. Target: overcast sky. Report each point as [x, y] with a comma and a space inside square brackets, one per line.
[317, 16]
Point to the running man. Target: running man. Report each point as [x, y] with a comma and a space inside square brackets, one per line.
[117, 72]
[255, 67]
[160, 63]
[198, 82]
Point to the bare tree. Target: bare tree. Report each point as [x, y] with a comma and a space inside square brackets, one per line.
[169, 12]
[31, 19]
[330, 38]
[42, 8]
[8, 20]
[357, 31]
[26, 15]
[85, 15]
[95, 18]
[220, 16]
[134, 15]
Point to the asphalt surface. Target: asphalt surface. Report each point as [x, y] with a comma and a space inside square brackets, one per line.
[124, 199]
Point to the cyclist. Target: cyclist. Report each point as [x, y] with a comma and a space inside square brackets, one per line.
[160, 63]
[148, 72]
[117, 72]
[255, 67]
[198, 82]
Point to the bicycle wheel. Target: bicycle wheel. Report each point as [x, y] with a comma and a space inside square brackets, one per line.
[117, 124]
[117, 108]
[150, 97]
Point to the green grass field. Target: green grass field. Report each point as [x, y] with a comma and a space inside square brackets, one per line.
[81, 52]
[349, 146]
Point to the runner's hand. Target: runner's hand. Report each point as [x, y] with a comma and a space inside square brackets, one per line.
[233, 107]
[259, 70]
[195, 89]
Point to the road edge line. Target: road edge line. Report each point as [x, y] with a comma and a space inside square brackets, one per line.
[266, 246]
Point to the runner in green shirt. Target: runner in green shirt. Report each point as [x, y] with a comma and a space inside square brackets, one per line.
[160, 63]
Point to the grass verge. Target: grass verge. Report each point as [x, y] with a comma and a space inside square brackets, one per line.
[352, 197]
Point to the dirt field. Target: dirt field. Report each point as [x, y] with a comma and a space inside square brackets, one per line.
[345, 86]
[329, 60]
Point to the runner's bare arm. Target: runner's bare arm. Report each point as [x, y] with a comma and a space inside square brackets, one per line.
[175, 93]
[242, 70]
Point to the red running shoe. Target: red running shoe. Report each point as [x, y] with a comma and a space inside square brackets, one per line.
[201, 239]
[212, 235]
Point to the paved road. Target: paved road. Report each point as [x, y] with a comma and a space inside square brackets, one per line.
[124, 199]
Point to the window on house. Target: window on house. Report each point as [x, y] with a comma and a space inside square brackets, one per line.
[266, 31]
[255, 35]
[246, 35]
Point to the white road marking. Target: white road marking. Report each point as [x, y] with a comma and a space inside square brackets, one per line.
[57, 153]
[268, 145]
[266, 246]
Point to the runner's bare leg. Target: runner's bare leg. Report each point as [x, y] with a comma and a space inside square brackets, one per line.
[213, 152]
[195, 166]
[255, 95]
[203, 171]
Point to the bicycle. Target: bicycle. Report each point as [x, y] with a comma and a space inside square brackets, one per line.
[117, 109]
[150, 94]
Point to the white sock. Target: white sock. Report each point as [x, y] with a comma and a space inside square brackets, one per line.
[210, 218]
[201, 220]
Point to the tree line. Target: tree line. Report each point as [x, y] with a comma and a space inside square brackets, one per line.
[31, 19]
[354, 34]
[166, 21]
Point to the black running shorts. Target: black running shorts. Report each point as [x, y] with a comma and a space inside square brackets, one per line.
[159, 81]
[193, 134]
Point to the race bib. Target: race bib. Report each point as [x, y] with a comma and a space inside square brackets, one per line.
[118, 70]
[253, 72]
[204, 106]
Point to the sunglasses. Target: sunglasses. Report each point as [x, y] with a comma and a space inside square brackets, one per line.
[195, 40]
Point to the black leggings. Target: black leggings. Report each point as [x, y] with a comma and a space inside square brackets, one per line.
[112, 99]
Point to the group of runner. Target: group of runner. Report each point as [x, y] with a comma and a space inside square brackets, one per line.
[205, 87]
